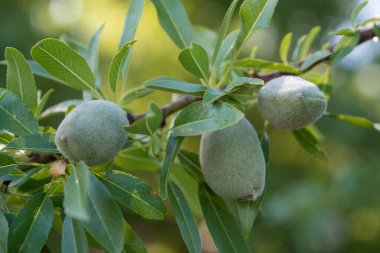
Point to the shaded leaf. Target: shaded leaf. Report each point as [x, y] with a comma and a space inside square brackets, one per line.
[136, 158]
[254, 14]
[15, 116]
[133, 94]
[6, 137]
[354, 120]
[132, 243]
[134, 193]
[297, 49]
[344, 47]
[309, 143]
[92, 53]
[264, 143]
[60, 107]
[150, 123]
[172, 85]
[31, 227]
[263, 64]
[42, 142]
[20, 79]
[73, 237]
[196, 119]
[285, 46]
[185, 220]
[190, 161]
[314, 58]
[42, 103]
[7, 164]
[4, 232]
[174, 20]
[172, 149]
[106, 223]
[75, 199]
[221, 223]
[248, 210]
[211, 95]
[195, 60]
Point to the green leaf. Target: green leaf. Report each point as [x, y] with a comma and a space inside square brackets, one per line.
[42, 142]
[254, 14]
[174, 21]
[354, 120]
[356, 11]
[132, 243]
[133, 94]
[224, 28]
[5, 138]
[76, 45]
[7, 164]
[106, 223]
[263, 64]
[134, 193]
[221, 223]
[64, 63]
[344, 47]
[376, 30]
[306, 45]
[92, 53]
[136, 158]
[196, 119]
[224, 51]
[285, 46]
[116, 64]
[60, 108]
[4, 232]
[76, 187]
[248, 210]
[150, 123]
[297, 49]
[171, 85]
[172, 149]
[211, 95]
[314, 58]
[195, 60]
[73, 237]
[264, 142]
[185, 220]
[243, 82]
[42, 103]
[31, 227]
[15, 116]
[20, 79]
[206, 37]
[190, 161]
[39, 71]
[310, 143]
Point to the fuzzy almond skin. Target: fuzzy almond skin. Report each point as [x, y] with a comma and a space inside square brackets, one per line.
[290, 102]
[92, 132]
[232, 161]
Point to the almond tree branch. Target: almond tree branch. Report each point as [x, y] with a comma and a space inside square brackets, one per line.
[170, 108]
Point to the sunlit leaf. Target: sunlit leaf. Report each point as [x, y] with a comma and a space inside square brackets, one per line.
[344, 47]
[264, 64]
[314, 58]
[171, 85]
[285, 46]
[195, 60]
[356, 11]
[354, 120]
[306, 45]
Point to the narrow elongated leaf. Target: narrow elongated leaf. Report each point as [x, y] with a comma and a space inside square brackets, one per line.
[248, 210]
[132, 243]
[4, 232]
[116, 64]
[185, 220]
[92, 53]
[195, 60]
[285, 46]
[6, 137]
[172, 148]
[76, 187]
[344, 47]
[196, 119]
[221, 223]
[224, 27]
[297, 49]
[254, 14]
[211, 95]
[314, 58]
[42, 103]
[172, 85]
[7, 164]
[356, 11]
[258, 63]
[243, 82]
[40, 71]
[134, 193]
[20, 79]
[15, 116]
[60, 107]
[305, 48]
[136, 158]
[190, 161]
[224, 51]
[174, 20]
[31, 227]
[42, 142]
[73, 237]
[310, 144]
[206, 37]
[133, 94]
[264, 142]
[106, 223]
[64, 63]
[354, 120]
[150, 123]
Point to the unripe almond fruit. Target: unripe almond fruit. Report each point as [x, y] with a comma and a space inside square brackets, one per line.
[290, 102]
[92, 132]
[232, 161]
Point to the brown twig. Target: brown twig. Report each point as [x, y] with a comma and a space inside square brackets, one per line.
[182, 102]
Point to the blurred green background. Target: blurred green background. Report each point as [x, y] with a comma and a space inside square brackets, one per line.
[309, 205]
